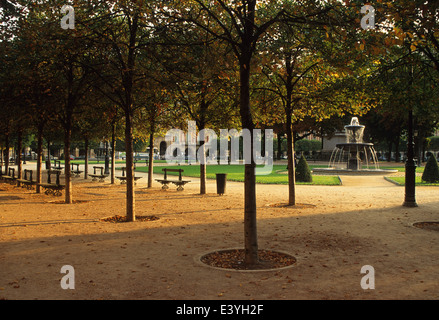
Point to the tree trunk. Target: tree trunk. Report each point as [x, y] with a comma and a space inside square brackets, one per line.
[86, 143]
[48, 154]
[68, 122]
[39, 158]
[128, 82]
[7, 153]
[151, 159]
[67, 169]
[203, 168]
[291, 164]
[290, 138]
[113, 154]
[202, 152]
[389, 157]
[250, 220]
[397, 155]
[19, 147]
[130, 201]
[279, 146]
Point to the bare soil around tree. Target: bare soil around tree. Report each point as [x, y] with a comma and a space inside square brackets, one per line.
[332, 233]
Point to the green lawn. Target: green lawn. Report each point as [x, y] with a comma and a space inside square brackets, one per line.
[236, 173]
[401, 181]
[402, 168]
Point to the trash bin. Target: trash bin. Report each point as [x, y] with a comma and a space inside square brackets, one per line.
[47, 164]
[221, 179]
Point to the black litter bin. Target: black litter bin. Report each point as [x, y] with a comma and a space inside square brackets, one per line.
[221, 179]
[47, 164]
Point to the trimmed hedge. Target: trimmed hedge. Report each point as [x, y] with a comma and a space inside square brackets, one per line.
[431, 171]
[303, 172]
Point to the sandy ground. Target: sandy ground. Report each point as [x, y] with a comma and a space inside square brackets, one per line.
[360, 223]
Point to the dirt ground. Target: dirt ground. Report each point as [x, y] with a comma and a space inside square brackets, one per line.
[340, 230]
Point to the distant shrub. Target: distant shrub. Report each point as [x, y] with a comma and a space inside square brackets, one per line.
[431, 170]
[433, 143]
[303, 172]
[306, 145]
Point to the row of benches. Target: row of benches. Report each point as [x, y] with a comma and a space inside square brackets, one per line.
[28, 182]
[98, 174]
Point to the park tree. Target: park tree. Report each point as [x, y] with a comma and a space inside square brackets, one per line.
[199, 74]
[153, 110]
[37, 84]
[157, 116]
[20, 89]
[405, 46]
[122, 30]
[6, 102]
[311, 81]
[62, 59]
[287, 67]
[74, 77]
[405, 81]
[242, 24]
[155, 94]
[97, 122]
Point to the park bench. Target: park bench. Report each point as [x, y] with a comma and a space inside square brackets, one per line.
[101, 176]
[27, 181]
[123, 178]
[76, 172]
[180, 182]
[53, 188]
[10, 178]
[57, 165]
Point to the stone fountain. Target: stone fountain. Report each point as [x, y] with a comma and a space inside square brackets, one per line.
[354, 155]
